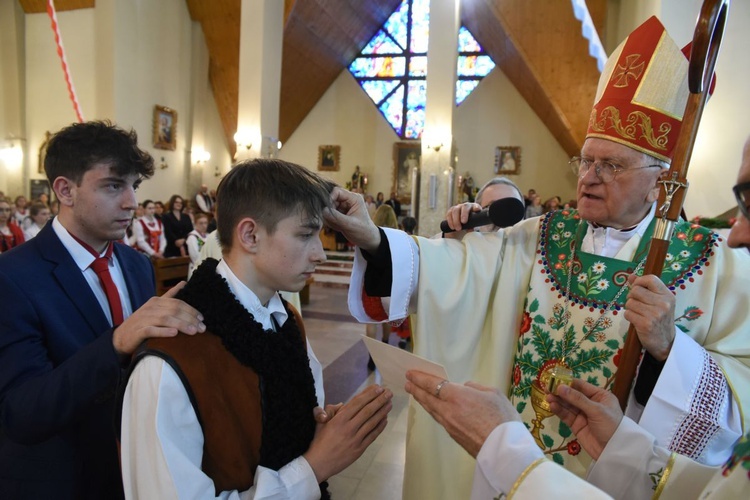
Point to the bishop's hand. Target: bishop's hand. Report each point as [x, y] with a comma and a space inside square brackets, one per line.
[350, 217]
[469, 412]
[458, 215]
[650, 309]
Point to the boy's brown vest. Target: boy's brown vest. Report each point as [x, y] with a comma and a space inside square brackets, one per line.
[225, 394]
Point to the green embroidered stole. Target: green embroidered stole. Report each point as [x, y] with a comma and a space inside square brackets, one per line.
[545, 336]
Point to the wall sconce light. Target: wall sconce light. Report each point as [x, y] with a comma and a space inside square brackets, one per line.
[201, 156]
[11, 153]
[436, 138]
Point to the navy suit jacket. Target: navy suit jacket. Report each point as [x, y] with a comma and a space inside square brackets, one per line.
[59, 373]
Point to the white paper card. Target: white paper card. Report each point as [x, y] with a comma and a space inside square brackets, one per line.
[393, 363]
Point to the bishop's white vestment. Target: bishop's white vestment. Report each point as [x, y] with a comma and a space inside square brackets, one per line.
[500, 309]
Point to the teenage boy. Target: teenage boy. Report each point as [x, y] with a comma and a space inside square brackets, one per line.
[75, 306]
[230, 413]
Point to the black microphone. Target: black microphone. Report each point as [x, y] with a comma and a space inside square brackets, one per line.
[502, 213]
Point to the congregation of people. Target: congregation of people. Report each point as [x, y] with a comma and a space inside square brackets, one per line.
[176, 229]
[214, 390]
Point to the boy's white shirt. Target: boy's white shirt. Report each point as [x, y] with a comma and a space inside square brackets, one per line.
[162, 441]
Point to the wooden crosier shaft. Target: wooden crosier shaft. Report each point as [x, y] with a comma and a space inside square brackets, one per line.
[706, 43]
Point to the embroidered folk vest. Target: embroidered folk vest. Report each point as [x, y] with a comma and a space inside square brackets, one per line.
[152, 235]
[252, 389]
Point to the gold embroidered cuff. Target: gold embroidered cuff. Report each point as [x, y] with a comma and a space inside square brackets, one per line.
[664, 477]
[523, 476]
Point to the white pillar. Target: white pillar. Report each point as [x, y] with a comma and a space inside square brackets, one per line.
[261, 39]
[437, 137]
[14, 151]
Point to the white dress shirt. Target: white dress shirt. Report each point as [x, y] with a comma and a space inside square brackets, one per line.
[162, 441]
[83, 260]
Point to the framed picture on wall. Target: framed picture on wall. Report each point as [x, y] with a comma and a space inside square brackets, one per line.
[165, 128]
[507, 160]
[406, 156]
[38, 187]
[329, 158]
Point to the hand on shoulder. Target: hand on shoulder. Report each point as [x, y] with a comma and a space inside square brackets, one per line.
[162, 316]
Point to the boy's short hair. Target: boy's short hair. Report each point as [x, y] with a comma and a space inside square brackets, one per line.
[268, 190]
[201, 215]
[77, 148]
[37, 207]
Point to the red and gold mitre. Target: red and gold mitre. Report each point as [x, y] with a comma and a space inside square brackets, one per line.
[642, 93]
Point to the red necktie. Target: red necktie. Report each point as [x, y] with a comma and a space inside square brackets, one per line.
[101, 268]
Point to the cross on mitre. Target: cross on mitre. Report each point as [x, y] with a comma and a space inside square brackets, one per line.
[630, 70]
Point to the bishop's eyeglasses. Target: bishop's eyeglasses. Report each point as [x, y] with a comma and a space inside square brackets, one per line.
[605, 171]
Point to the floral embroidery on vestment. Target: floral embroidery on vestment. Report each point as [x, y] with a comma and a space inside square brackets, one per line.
[549, 329]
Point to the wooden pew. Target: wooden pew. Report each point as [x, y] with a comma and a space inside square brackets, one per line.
[169, 272]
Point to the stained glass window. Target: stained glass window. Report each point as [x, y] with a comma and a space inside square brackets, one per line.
[392, 68]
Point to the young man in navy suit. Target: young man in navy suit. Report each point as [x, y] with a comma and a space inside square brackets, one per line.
[66, 332]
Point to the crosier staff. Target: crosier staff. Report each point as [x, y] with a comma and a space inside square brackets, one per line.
[704, 52]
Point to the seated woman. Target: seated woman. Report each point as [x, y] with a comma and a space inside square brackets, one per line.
[177, 226]
[38, 216]
[149, 232]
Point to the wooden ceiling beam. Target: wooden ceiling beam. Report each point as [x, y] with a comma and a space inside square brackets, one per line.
[39, 6]
[538, 45]
[220, 22]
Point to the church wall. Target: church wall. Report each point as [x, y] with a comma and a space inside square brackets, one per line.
[214, 142]
[124, 58]
[345, 116]
[724, 128]
[493, 115]
[48, 106]
[12, 91]
[127, 56]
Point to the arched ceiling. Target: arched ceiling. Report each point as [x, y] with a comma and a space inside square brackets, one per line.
[536, 43]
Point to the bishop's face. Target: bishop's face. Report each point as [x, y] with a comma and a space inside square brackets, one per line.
[624, 201]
